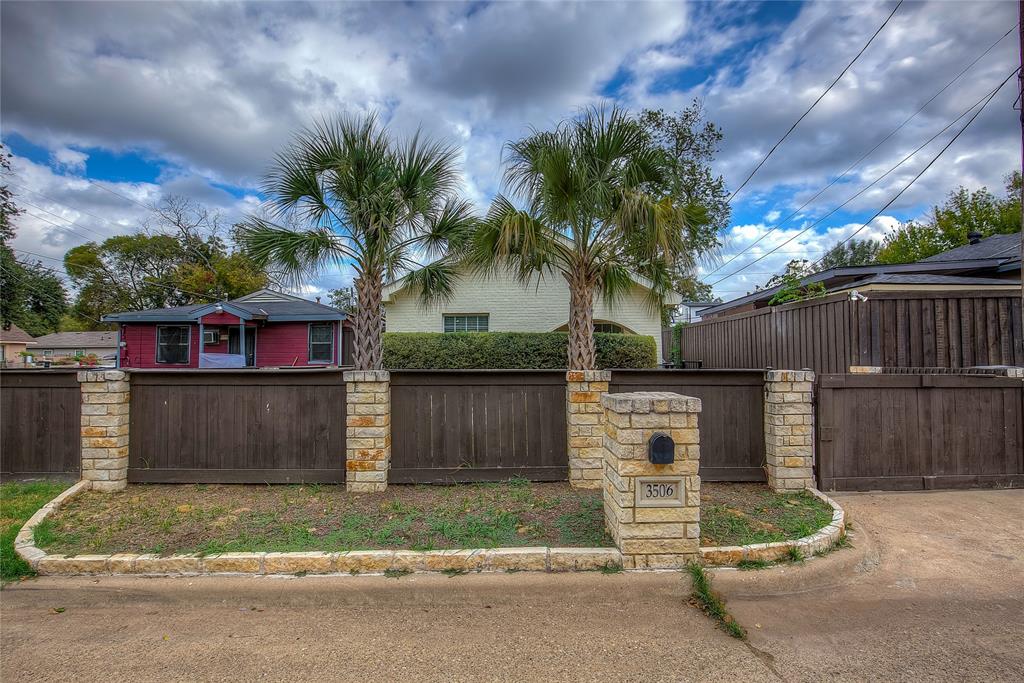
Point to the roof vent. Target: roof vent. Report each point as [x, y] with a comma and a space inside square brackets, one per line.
[974, 237]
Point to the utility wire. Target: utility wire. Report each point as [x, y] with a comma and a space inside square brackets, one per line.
[983, 102]
[820, 97]
[55, 215]
[865, 155]
[923, 170]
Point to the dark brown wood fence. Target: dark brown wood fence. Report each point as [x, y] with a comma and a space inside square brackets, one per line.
[891, 329]
[237, 426]
[907, 432]
[40, 423]
[478, 425]
[731, 419]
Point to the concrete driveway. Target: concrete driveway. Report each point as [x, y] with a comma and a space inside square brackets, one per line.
[934, 589]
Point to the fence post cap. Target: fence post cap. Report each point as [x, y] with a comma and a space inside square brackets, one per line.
[367, 376]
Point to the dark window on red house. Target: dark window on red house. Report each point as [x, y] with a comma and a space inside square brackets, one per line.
[321, 343]
[172, 344]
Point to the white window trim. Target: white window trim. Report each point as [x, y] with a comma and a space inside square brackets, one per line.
[445, 316]
[188, 345]
[309, 344]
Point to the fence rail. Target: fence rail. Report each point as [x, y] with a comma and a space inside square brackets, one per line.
[40, 423]
[891, 329]
[731, 421]
[237, 426]
[478, 425]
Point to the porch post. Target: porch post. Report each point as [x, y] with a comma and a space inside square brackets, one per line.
[241, 342]
[202, 344]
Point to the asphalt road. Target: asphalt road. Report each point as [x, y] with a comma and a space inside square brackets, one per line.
[934, 589]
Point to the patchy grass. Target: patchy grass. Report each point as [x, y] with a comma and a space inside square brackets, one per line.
[18, 502]
[711, 602]
[209, 519]
[217, 518]
[741, 514]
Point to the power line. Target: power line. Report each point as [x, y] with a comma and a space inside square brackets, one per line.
[983, 102]
[934, 159]
[39, 208]
[866, 154]
[65, 205]
[820, 97]
[98, 269]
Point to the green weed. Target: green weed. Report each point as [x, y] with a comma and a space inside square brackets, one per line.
[712, 603]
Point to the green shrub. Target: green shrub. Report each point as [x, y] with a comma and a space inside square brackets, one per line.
[509, 350]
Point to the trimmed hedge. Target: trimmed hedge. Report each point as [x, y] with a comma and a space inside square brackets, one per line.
[509, 350]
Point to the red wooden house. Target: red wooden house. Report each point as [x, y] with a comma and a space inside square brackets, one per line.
[274, 330]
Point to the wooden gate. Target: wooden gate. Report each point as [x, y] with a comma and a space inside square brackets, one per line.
[40, 423]
[478, 425]
[246, 426]
[909, 432]
[731, 419]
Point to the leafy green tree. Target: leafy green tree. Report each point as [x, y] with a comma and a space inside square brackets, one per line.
[31, 296]
[369, 202]
[690, 143]
[592, 212]
[179, 259]
[950, 223]
[344, 299]
[911, 242]
[853, 253]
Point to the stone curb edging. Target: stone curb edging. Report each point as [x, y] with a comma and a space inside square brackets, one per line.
[354, 562]
[819, 542]
[380, 561]
[24, 542]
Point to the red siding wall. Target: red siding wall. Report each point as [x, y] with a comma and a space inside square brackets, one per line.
[277, 344]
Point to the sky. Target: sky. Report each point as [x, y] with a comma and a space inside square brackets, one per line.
[109, 107]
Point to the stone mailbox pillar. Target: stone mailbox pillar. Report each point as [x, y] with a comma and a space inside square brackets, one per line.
[652, 510]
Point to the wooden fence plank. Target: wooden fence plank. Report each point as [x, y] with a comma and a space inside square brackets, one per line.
[905, 432]
[40, 423]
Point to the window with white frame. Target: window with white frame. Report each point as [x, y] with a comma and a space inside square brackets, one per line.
[321, 343]
[172, 344]
[608, 327]
[466, 323]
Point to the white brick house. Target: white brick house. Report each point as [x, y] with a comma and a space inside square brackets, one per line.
[498, 303]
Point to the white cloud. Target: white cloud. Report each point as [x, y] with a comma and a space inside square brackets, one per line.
[69, 159]
[217, 106]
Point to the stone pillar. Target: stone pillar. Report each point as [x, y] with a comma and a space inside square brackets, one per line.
[789, 429]
[585, 421]
[652, 511]
[105, 401]
[367, 430]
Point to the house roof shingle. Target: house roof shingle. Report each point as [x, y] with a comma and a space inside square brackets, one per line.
[264, 304]
[77, 340]
[993, 247]
[15, 335]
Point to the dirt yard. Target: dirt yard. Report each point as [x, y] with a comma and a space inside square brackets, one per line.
[207, 519]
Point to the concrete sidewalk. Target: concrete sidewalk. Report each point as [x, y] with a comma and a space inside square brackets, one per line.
[934, 590]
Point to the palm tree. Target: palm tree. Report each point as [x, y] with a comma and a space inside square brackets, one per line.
[595, 209]
[345, 193]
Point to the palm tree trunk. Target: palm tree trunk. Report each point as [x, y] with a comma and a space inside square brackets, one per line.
[369, 324]
[582, 355]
